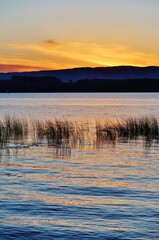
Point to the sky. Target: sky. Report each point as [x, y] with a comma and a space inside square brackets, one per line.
[60, 34]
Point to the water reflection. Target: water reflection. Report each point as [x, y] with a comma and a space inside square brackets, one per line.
[88, 190]
[112, 191]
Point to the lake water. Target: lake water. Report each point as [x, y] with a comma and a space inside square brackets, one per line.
[103, 192]
[79, 106]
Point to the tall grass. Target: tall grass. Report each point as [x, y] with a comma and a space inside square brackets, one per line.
[60, 132]
[125, 130]
[12, 129]
[63, 134]
[37, 130]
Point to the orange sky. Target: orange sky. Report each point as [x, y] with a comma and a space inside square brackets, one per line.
[45, 34]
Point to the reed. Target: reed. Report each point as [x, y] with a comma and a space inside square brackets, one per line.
[12, 129]
[53, 131]
[59, 132]
[37, 130]
[125, 130]
[106, 132]
[2, 134]
[67, 134]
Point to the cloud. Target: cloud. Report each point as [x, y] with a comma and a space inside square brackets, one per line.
[52, 43]
[4, 68]
[46, 55]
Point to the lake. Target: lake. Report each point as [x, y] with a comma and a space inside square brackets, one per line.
[90, 192]
[79, 105]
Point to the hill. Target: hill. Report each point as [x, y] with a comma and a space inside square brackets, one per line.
[75, 74]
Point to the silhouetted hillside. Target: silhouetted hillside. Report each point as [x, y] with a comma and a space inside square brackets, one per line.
[121, 72]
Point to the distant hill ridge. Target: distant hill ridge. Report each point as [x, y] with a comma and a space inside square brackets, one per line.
[75, 74]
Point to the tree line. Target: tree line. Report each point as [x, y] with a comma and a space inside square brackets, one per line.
[52, 84]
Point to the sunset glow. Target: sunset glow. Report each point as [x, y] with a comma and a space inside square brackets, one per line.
[40, 35]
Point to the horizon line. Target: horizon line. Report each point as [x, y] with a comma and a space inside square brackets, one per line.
[62, 69]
